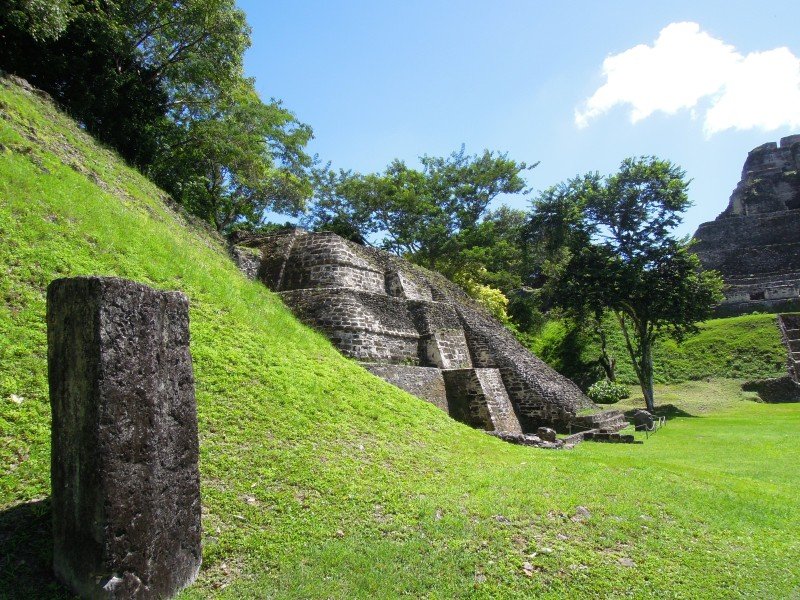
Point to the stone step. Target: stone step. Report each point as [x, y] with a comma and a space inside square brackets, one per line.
[612, 420]
[478, 398]
[575, 438]
[794, 346]
[610, 437]
[530, 440]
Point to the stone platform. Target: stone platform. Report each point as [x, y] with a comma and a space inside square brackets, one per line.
[416, 330]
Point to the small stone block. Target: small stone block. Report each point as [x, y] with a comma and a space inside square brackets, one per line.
[547, 434]
[124, 462]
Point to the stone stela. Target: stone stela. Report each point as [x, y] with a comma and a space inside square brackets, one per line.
[418, 331]
[124, 467]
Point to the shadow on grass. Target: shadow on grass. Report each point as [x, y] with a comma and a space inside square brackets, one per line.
[670, 411]
[26, 553]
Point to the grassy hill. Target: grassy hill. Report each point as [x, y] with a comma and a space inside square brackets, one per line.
[321, 481]
[743, 347]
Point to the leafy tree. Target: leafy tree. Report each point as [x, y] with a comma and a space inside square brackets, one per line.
[495, 244]
[193, 48]
[490, 298]
[421, 214]
[162, 82]
[619, 255]
[238, 161]
[42, 20]
[89, 68]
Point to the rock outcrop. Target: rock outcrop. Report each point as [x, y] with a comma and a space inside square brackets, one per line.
[755, 242]
[416, 330]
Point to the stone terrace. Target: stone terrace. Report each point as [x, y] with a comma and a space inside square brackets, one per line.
[418, 331]
[755, 242]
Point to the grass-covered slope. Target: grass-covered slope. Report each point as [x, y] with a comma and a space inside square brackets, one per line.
[319, 480]
[743, 347]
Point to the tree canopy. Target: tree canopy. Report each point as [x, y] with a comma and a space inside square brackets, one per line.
[438, 216]
[617, 253]
[162, 82]
[422, 214]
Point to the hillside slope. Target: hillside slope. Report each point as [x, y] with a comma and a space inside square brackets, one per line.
[320, 480]
[742, 347]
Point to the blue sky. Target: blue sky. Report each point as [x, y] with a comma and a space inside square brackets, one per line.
[382, 80]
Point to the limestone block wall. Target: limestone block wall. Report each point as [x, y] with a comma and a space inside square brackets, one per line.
[755, 242]
[445, 349]
[478, 397]
[364, 326]
[417, 330]
[423, 382]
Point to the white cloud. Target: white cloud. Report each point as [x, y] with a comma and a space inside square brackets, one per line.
[685, 66]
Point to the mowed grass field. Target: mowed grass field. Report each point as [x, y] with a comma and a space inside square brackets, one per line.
[321, 481]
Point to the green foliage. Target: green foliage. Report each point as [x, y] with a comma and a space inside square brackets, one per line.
[490, 298]
[91, 68]
[42, 20]
[607, 392]
[319, 480]
[744, 347]
[420, 214]
[162, 82]
[619, 256]
[231, 164]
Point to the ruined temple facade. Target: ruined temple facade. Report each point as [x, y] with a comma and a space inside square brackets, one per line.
[755, 242]
[418, 331]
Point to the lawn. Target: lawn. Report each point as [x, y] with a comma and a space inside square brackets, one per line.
[742, 347]
[321, 481]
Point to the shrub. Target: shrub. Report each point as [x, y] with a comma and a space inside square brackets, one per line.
[490, 298]
[607, 392]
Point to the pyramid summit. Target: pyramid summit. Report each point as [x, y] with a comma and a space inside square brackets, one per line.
[755, 242]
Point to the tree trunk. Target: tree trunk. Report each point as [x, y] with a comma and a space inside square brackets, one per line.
[646, 372]
[606, 360]
[641, 357]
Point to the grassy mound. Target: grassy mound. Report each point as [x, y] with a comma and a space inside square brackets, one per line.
[319, 480]
[743, 347]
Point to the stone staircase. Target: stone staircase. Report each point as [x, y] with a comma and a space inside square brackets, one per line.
[604, 426]
[607, 420]
[789, 325]
[479, 398]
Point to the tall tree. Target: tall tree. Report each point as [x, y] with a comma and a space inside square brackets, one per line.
[232, 163]
[419, 213]
[162, 82]
[620, 255]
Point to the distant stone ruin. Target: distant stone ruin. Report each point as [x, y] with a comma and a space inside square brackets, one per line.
[124, 466]
[755, 242]
[418, 331]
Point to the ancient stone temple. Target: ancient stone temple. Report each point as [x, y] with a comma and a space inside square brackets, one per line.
[755, 242]
[418, 331]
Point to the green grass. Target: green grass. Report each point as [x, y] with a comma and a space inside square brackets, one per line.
[744, 347]
[321, 481]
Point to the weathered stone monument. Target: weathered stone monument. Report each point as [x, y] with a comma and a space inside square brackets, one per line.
[755, 242]
[418, 331]
[124, 467]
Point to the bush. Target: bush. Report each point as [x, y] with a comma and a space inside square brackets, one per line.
[490, 298]
[607, 392]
